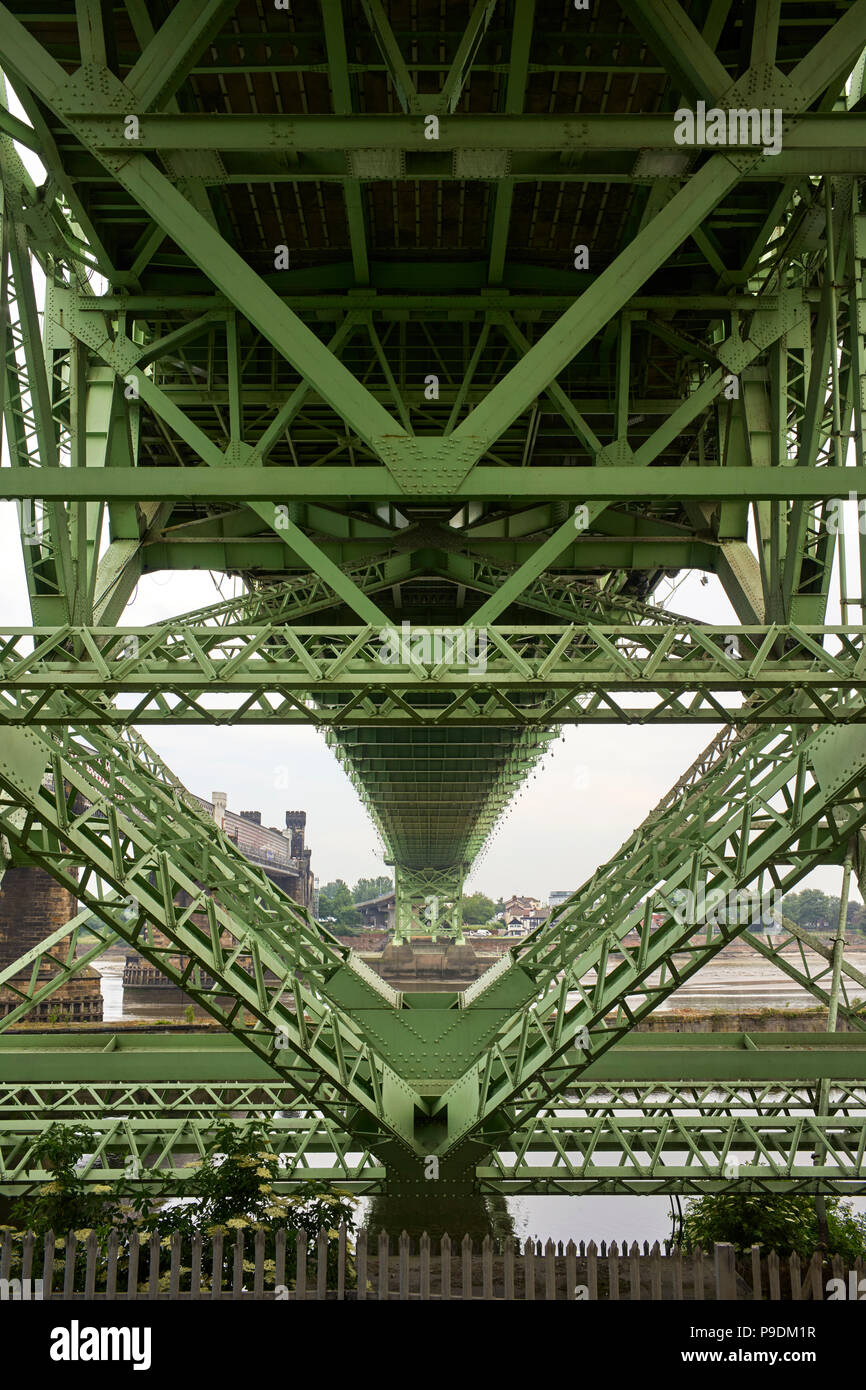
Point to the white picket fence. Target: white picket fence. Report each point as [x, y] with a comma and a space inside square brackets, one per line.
[356, 1266]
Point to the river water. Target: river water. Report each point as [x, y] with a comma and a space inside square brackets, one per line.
[735, 984]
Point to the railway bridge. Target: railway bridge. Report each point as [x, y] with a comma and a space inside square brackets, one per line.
[452, 330]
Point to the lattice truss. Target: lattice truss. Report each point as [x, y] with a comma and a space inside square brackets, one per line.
[430, 331]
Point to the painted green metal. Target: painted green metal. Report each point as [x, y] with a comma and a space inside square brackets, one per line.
[486, 484]
[720, 1072]
[385, 676]
[428, 902]
[431, 331]
[126, 1091]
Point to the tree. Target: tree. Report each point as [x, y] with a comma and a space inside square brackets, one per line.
[335, 900]
[477, 909]
[817, 911]
[367, 888]
[786, 1224]
[67, 1202]
[856, 916]
[811, 909]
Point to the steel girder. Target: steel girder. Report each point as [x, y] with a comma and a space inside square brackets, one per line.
[201, 1074]
[329, 677]
[629, 1155]
[789, 801]
[145, 844]
[435, 796]
[282, 424]
[428, 902]
[726, 1131]
[721, 828]
[547, 484]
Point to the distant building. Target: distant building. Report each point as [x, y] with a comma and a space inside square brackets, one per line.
[281, 853]
[514, 931]
[518, 908]
[557, 898]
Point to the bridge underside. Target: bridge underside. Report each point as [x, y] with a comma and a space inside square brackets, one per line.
[150, 1110]
[450, 335]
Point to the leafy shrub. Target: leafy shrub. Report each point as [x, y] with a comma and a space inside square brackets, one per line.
[786, 1224]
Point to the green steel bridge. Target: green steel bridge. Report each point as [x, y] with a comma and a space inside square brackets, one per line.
[451, 330]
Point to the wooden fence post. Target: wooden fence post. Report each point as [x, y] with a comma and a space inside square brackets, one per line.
[26, 1257]
[132, 1273]
[466, 1268]
[698, 1273]
[613, 1266]
[174, 1274]
[592, 1270]
[550, 1271]
[383, 1265]
[774, 1287]
[838, 1269]
[361, 1264]
[48, 1266]
[487, 1267]
[725, 1261]
[656, 1273]
[424, 1271]
[69, 1265]
[445, 1265]
[508, 1267]
[195, 1266]
[342, 1238]
[238, 1267]
[403, 1266]
[676, 1258]
[90, 1265]
[301, 1266]
[153, 1267]
[634, 1272]
[111, 1266]
[529, 1270]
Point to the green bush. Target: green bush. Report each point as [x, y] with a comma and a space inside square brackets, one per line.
[232, 1188]
[788, 1225]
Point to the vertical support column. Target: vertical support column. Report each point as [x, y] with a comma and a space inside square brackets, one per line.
[832, 1018]
[428, 902]
[857, 339]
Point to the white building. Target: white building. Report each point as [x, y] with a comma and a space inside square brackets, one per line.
[557, 898]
